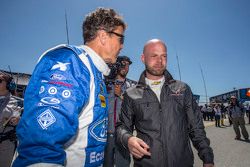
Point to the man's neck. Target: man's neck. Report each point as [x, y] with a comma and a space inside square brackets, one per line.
[4, 93]
[95, 46]
[153, 77]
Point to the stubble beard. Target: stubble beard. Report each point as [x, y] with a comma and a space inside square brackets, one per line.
[122, 73]
[153, 72]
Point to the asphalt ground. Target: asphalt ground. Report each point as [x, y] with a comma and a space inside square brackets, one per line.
[228, 152]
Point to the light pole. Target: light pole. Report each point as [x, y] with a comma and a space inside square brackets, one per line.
[205, 87]
[178, 65]
[67, 32]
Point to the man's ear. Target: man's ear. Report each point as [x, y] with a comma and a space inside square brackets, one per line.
[102, 36]
[143, 58]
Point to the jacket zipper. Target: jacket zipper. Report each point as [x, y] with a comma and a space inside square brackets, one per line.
[162, 135]
[161, 127]
[164, 144]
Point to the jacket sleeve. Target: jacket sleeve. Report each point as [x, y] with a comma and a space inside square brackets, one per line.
[124, 128]
[14, 107]
[56, 94]
[197, 132]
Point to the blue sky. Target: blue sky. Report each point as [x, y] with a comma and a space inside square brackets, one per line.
[212, 34]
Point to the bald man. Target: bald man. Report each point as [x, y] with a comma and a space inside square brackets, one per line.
[165, 117]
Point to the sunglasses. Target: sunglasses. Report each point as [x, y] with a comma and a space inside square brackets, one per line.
[119, 35]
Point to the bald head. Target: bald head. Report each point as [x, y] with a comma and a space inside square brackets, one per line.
[151, 43]
[155, 58]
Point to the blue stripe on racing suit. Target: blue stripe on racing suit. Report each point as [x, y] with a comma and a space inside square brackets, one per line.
[65, 113]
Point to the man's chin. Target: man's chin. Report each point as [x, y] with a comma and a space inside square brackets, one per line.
[122, 75]
[110, 61]
[156, 73]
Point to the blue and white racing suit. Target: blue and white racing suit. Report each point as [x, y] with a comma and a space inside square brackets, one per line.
[65, 110]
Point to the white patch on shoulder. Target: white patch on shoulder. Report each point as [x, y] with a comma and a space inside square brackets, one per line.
[46, 118]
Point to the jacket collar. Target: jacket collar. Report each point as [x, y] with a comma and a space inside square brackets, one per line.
[167, 75]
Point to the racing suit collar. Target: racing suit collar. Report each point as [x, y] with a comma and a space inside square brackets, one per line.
[97, 60]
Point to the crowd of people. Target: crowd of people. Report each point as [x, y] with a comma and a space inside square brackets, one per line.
[80, 109]
[215, 112]
[235, 112]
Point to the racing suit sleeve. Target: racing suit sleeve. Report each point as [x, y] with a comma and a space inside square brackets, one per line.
[56, 94]
[124, 128]
[197, 133]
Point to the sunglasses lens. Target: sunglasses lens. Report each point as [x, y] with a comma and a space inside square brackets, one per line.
[122, 40]
[119, 35]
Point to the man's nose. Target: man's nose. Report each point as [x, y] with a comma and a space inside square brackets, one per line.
[159, 59]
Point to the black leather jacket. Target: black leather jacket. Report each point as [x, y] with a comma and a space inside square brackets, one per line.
[166, 126]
